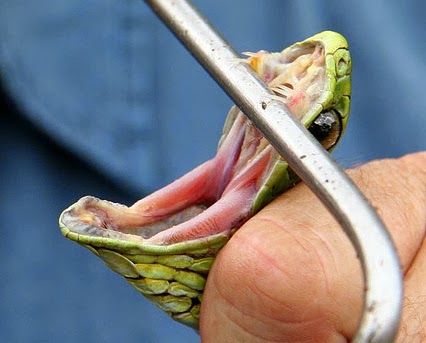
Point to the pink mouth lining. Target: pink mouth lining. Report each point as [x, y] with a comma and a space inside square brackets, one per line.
[217, 196]
[213, 198]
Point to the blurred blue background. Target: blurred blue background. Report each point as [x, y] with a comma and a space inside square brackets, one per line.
[97, 97]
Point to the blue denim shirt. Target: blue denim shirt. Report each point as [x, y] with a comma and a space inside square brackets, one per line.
[107, 82]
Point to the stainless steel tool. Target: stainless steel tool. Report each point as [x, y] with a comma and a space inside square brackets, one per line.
[380, 264]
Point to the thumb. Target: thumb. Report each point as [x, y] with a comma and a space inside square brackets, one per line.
[291, 274]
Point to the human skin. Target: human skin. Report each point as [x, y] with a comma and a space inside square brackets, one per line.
[290, 274]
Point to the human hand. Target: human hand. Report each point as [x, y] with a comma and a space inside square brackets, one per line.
[290, 274]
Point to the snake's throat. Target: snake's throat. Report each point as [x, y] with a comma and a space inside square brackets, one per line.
[216, 197]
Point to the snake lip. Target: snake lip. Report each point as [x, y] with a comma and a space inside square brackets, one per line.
[218, 196]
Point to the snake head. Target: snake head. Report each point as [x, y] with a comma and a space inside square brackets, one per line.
[165, 243]
[313, 79]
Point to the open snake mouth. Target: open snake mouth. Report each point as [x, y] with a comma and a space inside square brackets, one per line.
[218, 196]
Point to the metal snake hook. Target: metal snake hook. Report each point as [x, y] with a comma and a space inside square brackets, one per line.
[380, 264]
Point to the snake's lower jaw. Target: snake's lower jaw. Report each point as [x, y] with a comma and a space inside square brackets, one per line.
[165, 244]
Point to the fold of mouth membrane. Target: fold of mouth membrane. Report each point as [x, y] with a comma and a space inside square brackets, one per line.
[216, 197]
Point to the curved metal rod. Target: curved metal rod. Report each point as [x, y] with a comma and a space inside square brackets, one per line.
[381, 268]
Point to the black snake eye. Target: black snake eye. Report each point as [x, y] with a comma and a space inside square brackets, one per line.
[326, 128]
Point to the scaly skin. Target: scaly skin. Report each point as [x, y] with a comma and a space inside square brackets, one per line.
[165, 244]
